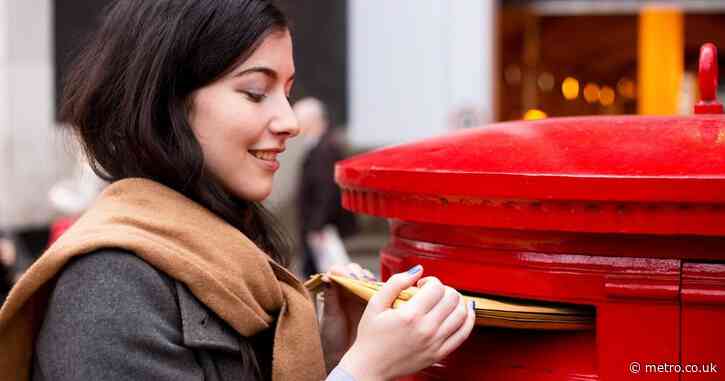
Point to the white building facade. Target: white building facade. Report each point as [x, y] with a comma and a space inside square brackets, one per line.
[33, 153]
[412, 63]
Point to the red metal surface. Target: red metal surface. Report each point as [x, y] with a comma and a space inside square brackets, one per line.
[621, 158]
[662, 175]
[625, 215]
[703, 314]
[636, 300]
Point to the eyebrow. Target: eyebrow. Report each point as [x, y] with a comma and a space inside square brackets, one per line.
[264, 70]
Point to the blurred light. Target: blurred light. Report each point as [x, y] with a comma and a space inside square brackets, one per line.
[591, 92]
[625, 87]
[606, 96]
[570, 88]
[512, 74]
[534, 114]
[546, 81]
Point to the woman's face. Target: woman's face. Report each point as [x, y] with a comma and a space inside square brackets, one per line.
[243, 119]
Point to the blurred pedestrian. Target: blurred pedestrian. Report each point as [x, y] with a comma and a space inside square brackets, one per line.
[176, 272]
[322, 219]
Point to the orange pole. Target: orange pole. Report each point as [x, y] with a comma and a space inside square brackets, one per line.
[660, 62]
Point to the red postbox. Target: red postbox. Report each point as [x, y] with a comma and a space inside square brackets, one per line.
[623, 214]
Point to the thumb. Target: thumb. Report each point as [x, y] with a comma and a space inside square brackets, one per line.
[384, 298]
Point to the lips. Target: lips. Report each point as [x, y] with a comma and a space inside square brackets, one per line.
[267, 158]
[266, 154]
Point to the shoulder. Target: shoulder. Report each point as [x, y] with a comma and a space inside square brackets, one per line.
[124, 292]
[113, 287]
[107, 277]
[111, 265]
[111, 315]
[108, 262]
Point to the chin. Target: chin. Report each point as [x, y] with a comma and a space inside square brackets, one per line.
[256, 191]
[252, 197]
[258, 199]
[257, 196]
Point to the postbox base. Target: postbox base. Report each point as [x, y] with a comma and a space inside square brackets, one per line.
[657, 305]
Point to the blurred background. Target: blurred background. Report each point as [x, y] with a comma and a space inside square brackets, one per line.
[388, 71]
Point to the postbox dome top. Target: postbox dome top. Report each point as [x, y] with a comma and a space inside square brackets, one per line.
[647, 159]
[559, 173]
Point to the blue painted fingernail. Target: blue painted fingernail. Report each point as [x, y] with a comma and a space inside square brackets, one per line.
[415, 269]
[473, 305]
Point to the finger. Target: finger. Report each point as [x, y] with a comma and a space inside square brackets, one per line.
[369, 275]
[458, 337]
[448, 305]
[390, 290]
[422, 281]
[453, 321]
[356, 271]
[340, 270]
[425, 299]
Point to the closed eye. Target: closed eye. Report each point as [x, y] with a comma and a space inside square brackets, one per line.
[255, 97]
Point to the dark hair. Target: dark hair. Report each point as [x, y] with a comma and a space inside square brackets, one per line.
[127, 97]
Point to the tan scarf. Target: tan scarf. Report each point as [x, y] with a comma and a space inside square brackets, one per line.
[220, 266]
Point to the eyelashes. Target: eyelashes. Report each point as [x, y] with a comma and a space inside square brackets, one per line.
[259, 97]
[255, 97]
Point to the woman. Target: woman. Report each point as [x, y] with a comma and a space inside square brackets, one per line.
[176, 272]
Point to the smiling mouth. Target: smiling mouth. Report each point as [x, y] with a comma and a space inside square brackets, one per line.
[265, 155]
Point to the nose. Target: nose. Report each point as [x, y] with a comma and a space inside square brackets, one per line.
[285, 121]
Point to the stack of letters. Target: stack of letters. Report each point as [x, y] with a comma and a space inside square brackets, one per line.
[490, 311]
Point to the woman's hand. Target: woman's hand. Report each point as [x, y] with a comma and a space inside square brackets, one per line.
[341, 313]
[392, 343]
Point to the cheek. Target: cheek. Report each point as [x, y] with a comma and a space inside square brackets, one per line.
[221, 122]
[226, 128]
[213, 112]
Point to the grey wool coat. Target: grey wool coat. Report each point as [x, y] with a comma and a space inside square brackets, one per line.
[112, 316]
